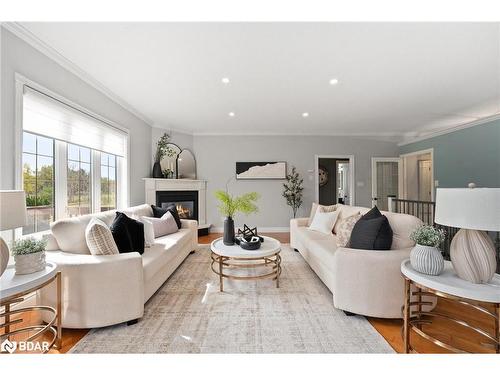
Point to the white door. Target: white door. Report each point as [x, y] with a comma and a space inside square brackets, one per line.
[425, 180]
[385, 181]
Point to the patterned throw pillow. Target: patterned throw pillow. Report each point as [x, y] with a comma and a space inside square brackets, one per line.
[315, 207]
[345, 228]
[99, 238]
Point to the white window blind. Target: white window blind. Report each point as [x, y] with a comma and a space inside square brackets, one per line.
[47, 116]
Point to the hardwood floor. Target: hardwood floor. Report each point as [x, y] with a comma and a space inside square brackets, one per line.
[390, 329]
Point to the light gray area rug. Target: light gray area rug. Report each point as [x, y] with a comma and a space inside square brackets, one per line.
[189, 315]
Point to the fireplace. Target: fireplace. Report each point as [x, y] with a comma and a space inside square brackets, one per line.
[188, 195]
[185, 201]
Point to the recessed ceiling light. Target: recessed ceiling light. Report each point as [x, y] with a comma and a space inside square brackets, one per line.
[305, 114]
[231, 114]
[334, 81]
[225, 80]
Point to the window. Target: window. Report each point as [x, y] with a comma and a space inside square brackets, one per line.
[79, 182]
[73, 162]
[38, 181]
[108, 181]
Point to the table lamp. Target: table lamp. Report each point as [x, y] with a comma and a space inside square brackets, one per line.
[12, 215]
[474, 210]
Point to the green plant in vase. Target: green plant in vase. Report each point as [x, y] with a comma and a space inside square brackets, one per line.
[229, 206]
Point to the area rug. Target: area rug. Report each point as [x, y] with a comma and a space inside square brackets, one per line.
[188, 314]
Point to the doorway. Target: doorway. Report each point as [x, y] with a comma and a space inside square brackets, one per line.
[334, 179]
[418, 176]
[385, 181]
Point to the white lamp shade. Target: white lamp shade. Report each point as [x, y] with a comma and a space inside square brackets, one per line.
[477, 208]
[12, 209]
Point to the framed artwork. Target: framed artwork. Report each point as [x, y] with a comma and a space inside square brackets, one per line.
[260, 170]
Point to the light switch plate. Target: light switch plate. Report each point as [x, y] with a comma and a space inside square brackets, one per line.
[436, 183]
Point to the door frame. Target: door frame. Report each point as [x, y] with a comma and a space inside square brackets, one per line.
[420, 152]
[352, 189]
[374, 174]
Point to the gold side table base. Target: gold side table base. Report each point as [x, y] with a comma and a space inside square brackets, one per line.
[414, 319]
[53, 327]
[221, 264]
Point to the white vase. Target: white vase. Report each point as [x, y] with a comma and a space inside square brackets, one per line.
[427, 259]
[30, 263]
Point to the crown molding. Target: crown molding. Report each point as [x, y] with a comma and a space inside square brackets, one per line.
[30, 38]
[452, 129]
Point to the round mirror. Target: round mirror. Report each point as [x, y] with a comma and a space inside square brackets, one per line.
[168, 163]
[186, 165]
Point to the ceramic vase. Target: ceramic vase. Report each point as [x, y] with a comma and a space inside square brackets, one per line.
[228, 238]
[427, 259]
[30, 263]
[157, 173]
[472, 254]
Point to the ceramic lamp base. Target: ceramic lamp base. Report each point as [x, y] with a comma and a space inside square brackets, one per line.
[4, 255]
[472, 254]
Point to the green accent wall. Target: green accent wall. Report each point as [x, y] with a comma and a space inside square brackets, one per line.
[463, 156]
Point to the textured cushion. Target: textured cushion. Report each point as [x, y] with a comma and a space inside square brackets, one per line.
[372, 232]
[344, 229]
[164, 225]
[346, 211]
[158, 212]
[99, 238]
[314, 209]
[149, 231]
[128, 234]
[324, 221]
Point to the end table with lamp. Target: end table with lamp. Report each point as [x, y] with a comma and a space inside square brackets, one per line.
[14, 288]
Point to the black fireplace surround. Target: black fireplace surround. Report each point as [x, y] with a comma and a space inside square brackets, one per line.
[183, 199]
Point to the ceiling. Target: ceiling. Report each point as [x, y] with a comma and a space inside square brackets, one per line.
[394, 79]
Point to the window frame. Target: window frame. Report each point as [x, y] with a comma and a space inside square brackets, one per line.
[60, 163]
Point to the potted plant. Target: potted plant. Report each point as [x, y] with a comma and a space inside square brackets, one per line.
[426, 256]
[162, 150]
[230, 205]
[293, 191]
[29, 255]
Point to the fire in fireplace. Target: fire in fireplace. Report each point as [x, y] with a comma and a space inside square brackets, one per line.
[185, 201]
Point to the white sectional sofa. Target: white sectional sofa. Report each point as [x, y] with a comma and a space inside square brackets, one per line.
[104, 290]
[365, 282]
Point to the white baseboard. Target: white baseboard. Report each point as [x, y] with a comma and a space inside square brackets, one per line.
[260, 229]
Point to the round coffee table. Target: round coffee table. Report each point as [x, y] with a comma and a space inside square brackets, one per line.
[227, 259]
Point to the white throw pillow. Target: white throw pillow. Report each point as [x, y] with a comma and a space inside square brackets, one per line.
[315, 207]
[149, 231]
[99, 238]
[324, 221]
[345, 228]
[164, 225]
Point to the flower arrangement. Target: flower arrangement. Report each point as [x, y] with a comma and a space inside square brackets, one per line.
[163, 149]
[230, 205]
[28, 246]
[293, 190]
[427, 235]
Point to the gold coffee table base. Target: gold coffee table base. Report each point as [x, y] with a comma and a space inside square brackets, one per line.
[222, 264]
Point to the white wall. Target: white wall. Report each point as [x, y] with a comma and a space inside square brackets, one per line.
[216, 157]
[19, 57]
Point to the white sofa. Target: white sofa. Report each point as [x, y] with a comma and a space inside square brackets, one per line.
[104, 290]
[364, 282]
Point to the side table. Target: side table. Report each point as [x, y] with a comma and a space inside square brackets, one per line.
[449, 286]
[13, 290]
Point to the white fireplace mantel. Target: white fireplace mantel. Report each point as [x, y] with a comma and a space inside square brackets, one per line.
[152, 185]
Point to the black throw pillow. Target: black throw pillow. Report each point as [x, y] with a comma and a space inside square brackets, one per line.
[160, 211]
[372, 232]
[128, 234]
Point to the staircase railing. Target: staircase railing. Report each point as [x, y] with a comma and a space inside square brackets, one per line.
[425, 211]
